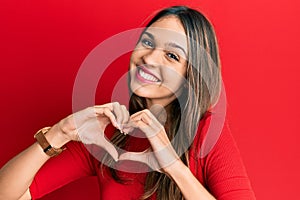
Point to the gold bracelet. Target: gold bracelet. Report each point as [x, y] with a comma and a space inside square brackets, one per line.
[47, 148]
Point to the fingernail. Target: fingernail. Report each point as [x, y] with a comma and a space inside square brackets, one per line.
[129, 130]
[116, 124]
[125, 131]
[120, 128]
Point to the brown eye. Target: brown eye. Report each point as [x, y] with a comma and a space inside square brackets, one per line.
[147, 43]
[173, 56]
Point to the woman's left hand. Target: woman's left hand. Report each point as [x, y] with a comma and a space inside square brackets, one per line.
[161, 155]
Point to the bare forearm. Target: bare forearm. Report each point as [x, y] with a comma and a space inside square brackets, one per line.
[190, 187]
[17, 175]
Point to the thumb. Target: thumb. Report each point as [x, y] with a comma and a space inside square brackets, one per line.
[134, 156]
[109, 147]
[145, 157]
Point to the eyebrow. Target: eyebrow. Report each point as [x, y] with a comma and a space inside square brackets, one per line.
[149, 35]
[171, 44]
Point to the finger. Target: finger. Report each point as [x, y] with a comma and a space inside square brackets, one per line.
[145, 157]
[119, 113]
[117, 109]
[125, 119]
[142, 116]
[107, 105]
[134, 124]
[109, 147]
[134, 156]
[125, 114]
[148, 124]
[140, 124]
[137, 113]
[107, 112]
[127, 130]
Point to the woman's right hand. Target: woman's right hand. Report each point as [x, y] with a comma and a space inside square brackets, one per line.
[88, 125]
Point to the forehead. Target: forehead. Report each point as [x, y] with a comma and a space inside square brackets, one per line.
[170, 22]
[168, 29]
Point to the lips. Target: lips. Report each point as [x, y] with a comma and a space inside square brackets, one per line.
[145, 75]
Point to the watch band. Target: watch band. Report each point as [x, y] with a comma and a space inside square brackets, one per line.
[47, 148]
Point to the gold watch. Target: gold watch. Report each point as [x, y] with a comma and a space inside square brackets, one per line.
[47, 148]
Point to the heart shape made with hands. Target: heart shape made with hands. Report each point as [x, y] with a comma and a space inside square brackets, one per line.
[91, 131]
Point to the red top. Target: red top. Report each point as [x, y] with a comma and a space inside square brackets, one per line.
[221, 171]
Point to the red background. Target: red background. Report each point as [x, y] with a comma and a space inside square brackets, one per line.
[43, 44]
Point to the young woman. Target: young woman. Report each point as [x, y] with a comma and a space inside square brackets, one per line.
[156, 149]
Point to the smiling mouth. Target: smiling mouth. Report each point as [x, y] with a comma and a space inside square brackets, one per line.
[143, 74]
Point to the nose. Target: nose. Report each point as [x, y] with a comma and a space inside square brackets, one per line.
[153, 57]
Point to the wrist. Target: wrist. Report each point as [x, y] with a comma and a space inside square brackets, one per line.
[56, 137]
[176, 168]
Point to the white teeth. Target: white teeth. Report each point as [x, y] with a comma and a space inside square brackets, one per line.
[146, 76]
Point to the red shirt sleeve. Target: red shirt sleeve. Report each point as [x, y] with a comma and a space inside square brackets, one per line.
[73, 163]
[221, 171]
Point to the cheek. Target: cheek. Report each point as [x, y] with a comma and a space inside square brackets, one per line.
[132, 58]
[136, 54]
[173, 80]
[174, 74]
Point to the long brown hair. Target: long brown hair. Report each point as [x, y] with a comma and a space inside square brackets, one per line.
[202, 91]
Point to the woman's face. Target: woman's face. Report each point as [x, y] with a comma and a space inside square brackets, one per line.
[158, 63]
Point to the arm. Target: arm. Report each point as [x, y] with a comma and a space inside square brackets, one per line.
[163, 158]
[87, 126]
[222, 169]
[189, 186]
[24, 166]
